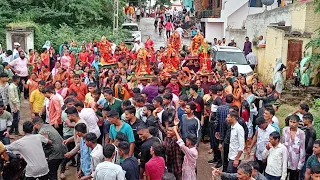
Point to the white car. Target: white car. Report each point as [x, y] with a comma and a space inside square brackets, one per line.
[232, 56]
[134, 29]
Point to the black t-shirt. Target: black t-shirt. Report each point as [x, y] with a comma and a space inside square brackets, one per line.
[145, 150]
[137, 140]
[131, 167]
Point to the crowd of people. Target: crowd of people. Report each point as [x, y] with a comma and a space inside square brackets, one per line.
[120, 113]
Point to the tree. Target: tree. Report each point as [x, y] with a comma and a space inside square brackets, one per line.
[66, 16]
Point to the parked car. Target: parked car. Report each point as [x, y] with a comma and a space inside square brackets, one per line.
[232, 56]
[134, 29]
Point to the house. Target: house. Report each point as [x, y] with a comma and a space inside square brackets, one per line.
[287, 41]
[220, 15]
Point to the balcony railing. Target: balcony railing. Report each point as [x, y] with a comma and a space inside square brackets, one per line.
[207, 14]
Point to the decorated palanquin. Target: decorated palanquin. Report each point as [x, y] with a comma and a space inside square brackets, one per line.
[170, 61]
[142, 64]
[105, 50]
[204, 56]
[175, 41]
[196, 42]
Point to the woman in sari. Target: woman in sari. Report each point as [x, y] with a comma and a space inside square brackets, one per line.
[70, 78]
[149, 44]
[60, 76]
[277, 75]
[237, 91]
[119, 91]
[228, 88]
[60, 89]
[45, 75]
[45, 59]
[32, 83]
[305, 72]
[55, 69]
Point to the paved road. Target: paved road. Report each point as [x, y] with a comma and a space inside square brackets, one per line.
[146, 25]
[147, 28]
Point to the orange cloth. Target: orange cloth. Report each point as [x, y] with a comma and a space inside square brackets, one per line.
[124, 92]
[81, 90]
[83, 56]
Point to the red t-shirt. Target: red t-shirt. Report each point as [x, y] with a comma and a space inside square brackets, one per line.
[81, 90]
[155, 168]
[175, 88]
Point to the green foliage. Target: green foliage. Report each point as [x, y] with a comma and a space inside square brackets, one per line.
[60, 21]
[315, 43]
[316, 104]
[163, 2]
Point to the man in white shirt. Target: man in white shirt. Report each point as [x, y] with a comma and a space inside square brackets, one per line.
[30, 147]
[237, 141]
[97, 150]
[90, 117]
[137, 45]
[276, 155]
[7, 56]
[107, 169]
[175, 13]
[138, 14]
[180, 30]
[252, 58]
[171, 14]
[261, 41]
[261, 138]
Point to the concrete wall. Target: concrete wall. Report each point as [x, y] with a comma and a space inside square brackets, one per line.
[256, 24]
[237, 19]
[238, 35]
[312, 20]
[275, 47]
[214, 30]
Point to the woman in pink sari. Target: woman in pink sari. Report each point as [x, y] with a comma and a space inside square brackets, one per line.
[60, 89]
[66, 61]
[55, 69]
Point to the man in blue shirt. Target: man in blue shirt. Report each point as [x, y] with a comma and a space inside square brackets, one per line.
[119, 126]
[85, 159]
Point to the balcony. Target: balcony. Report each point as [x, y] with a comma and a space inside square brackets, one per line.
[207, 14]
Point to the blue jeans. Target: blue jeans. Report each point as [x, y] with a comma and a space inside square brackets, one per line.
[269, 177]
[5, 140]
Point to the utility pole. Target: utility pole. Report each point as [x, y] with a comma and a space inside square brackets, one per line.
[115, 16]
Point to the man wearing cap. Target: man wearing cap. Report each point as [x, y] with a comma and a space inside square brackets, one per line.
[232, 42]
[15, 53]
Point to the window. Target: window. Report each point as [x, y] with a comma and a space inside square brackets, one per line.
[255, 3]
[219, 3]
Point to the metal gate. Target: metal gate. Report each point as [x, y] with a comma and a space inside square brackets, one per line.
[294, 55]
